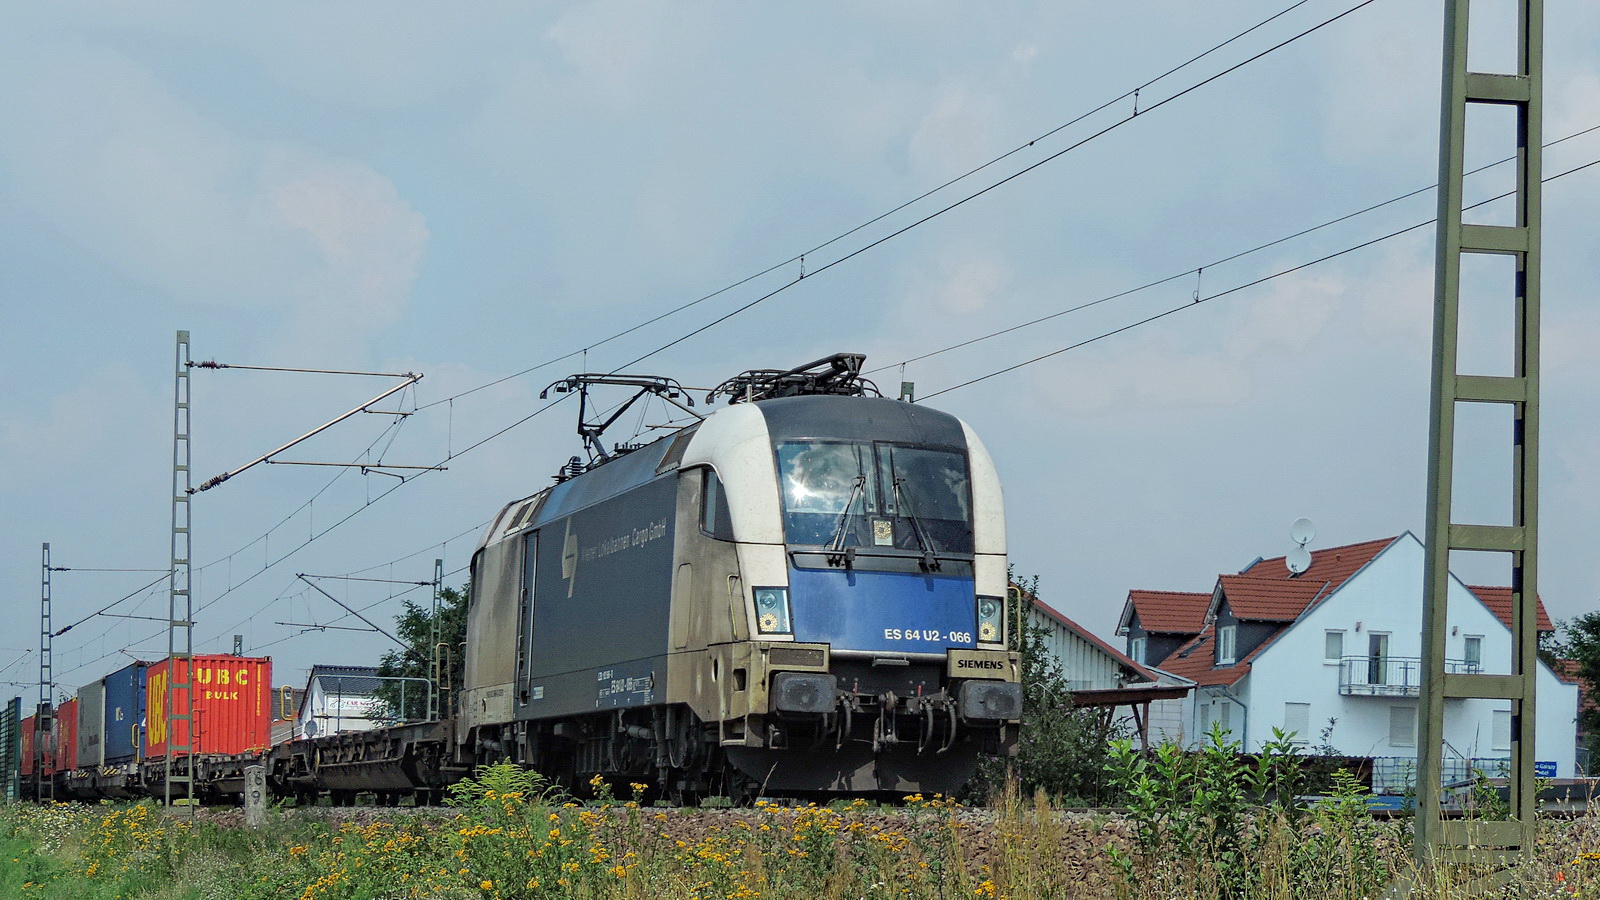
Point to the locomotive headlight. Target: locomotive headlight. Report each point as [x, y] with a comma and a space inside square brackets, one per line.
[772, 611]
[991, 620]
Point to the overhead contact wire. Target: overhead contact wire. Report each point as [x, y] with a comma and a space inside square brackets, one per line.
[1226, 259]
[1249, 284]
[800, 257]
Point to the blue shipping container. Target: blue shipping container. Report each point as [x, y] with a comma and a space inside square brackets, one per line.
[125, 713]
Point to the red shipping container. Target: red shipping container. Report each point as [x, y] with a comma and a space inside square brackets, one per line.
[231, 705]
[67, 736]
[27, 745]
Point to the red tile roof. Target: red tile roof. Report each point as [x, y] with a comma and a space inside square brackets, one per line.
[1268, 592]
[1334, 565]
[1170, 612]
[1498, 599]
[1270, 599]
[1196, 661]
[1570, 671]
[1121, 658]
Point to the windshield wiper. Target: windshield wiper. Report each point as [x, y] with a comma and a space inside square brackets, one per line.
[837, 554]
[929, 560]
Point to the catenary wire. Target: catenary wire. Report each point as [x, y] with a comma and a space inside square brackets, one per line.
[1210, 265]
[1132, 92]
[1006, 180]
[1249, 284]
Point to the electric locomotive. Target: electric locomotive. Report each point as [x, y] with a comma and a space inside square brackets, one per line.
[799, 592]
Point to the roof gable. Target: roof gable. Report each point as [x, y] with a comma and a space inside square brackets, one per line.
[1167, 612]
[1333, 565]
[348, 680]
[1122, 659]
[1269, 599]
[1266, 591]
[1196, 660]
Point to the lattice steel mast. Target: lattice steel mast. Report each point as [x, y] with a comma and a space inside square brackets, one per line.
[179, 699]
[44, 717]
[435, 672]
[1435, 838]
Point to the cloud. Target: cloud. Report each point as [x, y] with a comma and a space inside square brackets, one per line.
[1388, 63]
[105, 152]
[953, 136]
[971, 286]
[1156, 375]
[84, 423]
[1166, 369]
[368, 242]
[1396, 299]
[1289, 316]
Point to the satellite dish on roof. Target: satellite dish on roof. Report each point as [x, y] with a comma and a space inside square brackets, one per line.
[1301, 532]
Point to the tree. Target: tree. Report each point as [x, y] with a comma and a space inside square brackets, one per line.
[1061, 749]
[1578, 640]
[414, 626]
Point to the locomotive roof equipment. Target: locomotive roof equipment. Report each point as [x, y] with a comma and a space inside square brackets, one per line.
[839, 374]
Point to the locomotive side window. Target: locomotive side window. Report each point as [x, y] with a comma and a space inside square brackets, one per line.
[715, 520]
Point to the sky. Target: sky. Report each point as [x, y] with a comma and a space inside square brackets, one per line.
[472, 190]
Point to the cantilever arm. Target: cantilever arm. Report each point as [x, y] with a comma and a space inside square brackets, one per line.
[410, 379]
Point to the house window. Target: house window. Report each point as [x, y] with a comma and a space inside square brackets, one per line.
[1402, 726]
[1500, 730]
[1225, 638]
[1472, 652]
[1136, 650]
[1333, 646]
[1223, 715]
[1297, 722]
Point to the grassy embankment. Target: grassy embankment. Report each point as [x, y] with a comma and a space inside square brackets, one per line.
[511, 837]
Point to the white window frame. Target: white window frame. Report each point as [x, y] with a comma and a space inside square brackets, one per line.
[1227, 644]
[1332, 660]
[1473, 665]
[1408, 740]
[1500, 729]
[1136, 649]
[1293, 710]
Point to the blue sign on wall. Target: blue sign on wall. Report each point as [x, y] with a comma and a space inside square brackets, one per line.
[1544, 768]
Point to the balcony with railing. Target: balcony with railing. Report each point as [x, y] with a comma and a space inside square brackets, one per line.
[1391, 676]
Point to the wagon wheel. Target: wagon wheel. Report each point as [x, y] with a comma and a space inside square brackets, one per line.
[739, 788]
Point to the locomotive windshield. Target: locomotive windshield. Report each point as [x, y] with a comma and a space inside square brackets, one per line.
[856, 494]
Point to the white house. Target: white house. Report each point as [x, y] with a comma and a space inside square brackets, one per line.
[1337, 649]
[1102, 677]
[339, 699]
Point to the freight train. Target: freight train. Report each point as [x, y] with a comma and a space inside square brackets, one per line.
[801, 592]
[111, 740]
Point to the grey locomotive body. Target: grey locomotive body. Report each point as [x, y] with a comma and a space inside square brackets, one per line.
[796, 594]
